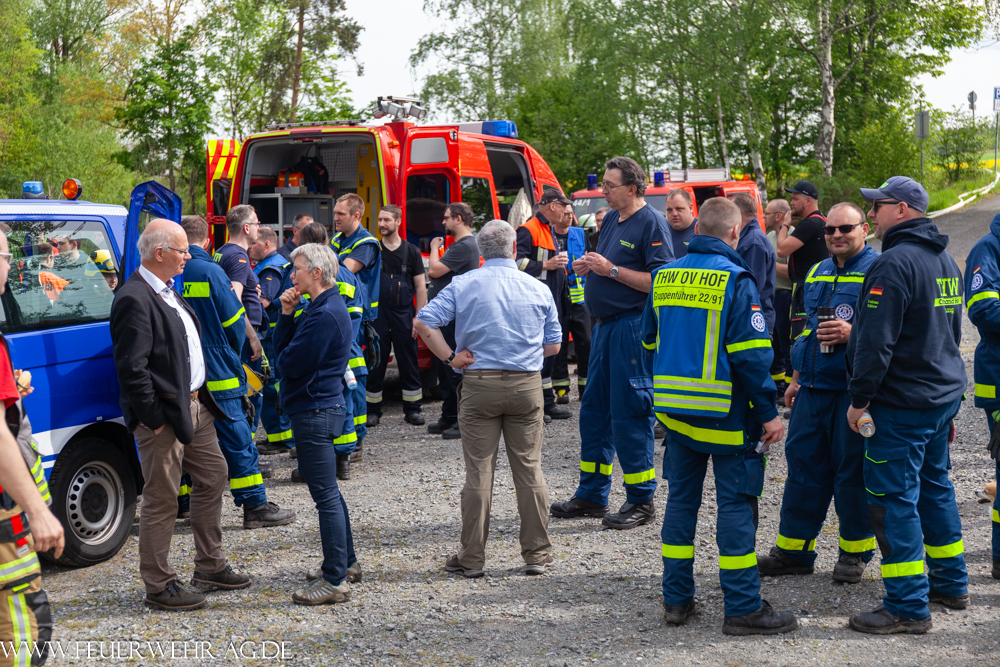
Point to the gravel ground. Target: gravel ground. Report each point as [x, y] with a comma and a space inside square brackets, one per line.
[601, 603]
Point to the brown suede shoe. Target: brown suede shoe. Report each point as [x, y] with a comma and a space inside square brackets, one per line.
[227, 578]
[175, 598]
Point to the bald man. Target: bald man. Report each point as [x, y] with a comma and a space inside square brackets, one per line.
[166, 404]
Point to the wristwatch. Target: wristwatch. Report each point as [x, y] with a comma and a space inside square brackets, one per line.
[614, 272]
[447, 362]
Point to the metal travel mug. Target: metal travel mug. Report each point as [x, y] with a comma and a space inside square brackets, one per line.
[825, 314]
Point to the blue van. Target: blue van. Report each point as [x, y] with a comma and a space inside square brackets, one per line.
[54, 315]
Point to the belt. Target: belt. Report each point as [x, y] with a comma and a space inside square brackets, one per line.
[496, 373]
[194, 396]
[612, 318]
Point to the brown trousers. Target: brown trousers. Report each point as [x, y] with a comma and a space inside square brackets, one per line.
[511, 405]
[162, 457]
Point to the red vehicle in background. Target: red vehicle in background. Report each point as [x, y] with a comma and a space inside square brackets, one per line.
[421, 169]
[701, 184]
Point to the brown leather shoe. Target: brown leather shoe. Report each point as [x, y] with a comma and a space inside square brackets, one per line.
[227, 578]
[175, 598]
[541, 567]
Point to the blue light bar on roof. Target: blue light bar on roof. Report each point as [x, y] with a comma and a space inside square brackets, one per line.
[591, 181]
[32, 188]
[493, 128]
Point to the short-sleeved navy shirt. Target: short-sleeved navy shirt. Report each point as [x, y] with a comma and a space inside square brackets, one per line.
[641, 243]
[235, 261]
[680, 239]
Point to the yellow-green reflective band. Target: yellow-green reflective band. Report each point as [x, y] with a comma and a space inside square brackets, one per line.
[778, 377]
[279, 437]
[196, 290]
[947, 551]
[857, 546]
[707, 435]
[21, 630]
[20, 567]
[244, 482]
[748, 345]
[43, 489]
[374, 304]
[346, 289]
[590, 466]
[996, 516]
[409, 395]
[355, 309]
[273, 324]
[910, 569]
[232, 320]
[720, 405]
[222, 385]
[789, 544]
[738, 562]
[360, 419]
[678, 551]
[986, 390]
[356, 362]
[692, 384]
[830, 279]
[789, 378]
[980, 297]
[649, 346]
[581, 382]
[298, 312]
[640, 477]
[185, 490]
[561, 383]
[346, 438]
[805, 332]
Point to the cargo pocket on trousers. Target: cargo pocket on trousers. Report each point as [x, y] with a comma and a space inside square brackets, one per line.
[885, 470]
[641, 400]
[752, 483]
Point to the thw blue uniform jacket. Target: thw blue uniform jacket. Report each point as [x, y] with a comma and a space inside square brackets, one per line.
[350, 288]
[712, 385]
[982, 289]
[576, 248]
[828, 285]
[209, 292]
[273, 269]
[370, 275]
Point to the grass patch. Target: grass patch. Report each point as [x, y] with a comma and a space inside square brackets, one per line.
[947, 194]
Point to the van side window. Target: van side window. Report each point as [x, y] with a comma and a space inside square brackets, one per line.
[477, 193]
[61, 274]
[427, 196]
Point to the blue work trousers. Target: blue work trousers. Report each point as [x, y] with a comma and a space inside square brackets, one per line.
[912, 507]
[739, 480]
[781, 337]
[277, 424]
[996, 501]
[237, 445]
[825, 461]
[616, 413]
[257, 400]
[314, 433]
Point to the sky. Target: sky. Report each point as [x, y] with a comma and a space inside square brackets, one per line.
[393, 27]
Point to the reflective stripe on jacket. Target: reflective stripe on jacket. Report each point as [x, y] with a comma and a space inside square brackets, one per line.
[576, 248]
[369, 277]
[279, 265]
[982, 289]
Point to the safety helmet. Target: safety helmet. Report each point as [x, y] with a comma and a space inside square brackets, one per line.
[102, 258]
[588, 222]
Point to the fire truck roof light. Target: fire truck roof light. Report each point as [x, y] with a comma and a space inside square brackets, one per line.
[72, 189]
[493, 128]
[32, 188]
[591, 181]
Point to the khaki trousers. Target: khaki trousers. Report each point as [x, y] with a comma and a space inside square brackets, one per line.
[162, 457]
[487, 407]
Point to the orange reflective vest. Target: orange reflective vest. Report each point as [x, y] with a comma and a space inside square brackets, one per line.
[541, 234]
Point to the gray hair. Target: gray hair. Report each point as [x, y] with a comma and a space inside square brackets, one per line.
[496, 240]
[150, 240]
[319, 257]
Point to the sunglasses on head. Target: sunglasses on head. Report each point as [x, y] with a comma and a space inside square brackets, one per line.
[844, 229]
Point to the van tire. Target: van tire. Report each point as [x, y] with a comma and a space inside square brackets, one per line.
[97, 473]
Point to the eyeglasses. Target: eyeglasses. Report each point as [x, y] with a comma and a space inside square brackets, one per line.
[884, 202]
[177, 250]
[611, 186]
[843, 229]
[6, 256]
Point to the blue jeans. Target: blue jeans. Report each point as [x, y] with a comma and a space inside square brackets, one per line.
[314, 433]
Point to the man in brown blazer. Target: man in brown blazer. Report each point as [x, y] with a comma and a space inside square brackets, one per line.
[161, 369]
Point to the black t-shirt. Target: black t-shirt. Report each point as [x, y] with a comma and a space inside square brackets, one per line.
[562, 240]
[403, 260]
[461, 257]
[813, 250]
[235, 261]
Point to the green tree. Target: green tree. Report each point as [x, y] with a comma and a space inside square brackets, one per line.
[958, 143]
[18, 61]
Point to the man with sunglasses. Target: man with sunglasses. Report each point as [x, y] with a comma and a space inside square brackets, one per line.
[824, 455]
[906, 369]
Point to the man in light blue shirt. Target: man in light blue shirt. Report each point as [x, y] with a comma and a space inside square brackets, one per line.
[506, 323]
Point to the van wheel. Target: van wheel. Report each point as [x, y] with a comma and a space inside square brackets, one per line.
[93, 495]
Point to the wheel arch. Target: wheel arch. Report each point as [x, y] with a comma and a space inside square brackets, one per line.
[115, 433]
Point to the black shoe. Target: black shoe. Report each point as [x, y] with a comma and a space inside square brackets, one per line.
[996, 569]
[452, 433]
[298, 477]
[562, 396]
[880, 621]
[778, 563]
[268, 448]
[266, 515]
[630, 516]
[266, 468]
[414, 418]
[546, 419]
[373, 421]
[950, 601]
[678, 614]
[440, 426]
[659, 432]
[343, 467]
[849, 568]
[575, 507]
[294, 453]
[183, 512]
[175, 598]
[228, 578]
[558, 413]
[764, 621]
[358, 455]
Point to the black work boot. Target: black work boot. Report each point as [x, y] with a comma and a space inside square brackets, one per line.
[678, 614]
[950, 601]
[440, 426]
[267, 448]
[558, 413]
[546, 419]
[298, 477]
[575, 507]
[996, 569]
[266, 515]
[265, 468]
[175, 598]
[880, 621]
[227, 578]
[413, 418]
[764, 621]
[630, 516]
[453, 433]
[778, 563]
[343, 467]
[372, 420]
[562, 396]
[849, 568]
[358, 455]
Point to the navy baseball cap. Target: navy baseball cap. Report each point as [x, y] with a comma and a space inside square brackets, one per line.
[900, 188]
[804, 188]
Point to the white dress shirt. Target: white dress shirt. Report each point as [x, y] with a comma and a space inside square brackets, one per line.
[195, 355]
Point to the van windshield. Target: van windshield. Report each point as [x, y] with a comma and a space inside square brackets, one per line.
[62, 272]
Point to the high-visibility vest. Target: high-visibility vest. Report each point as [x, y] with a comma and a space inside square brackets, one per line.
[576, 248]
[542, 241]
